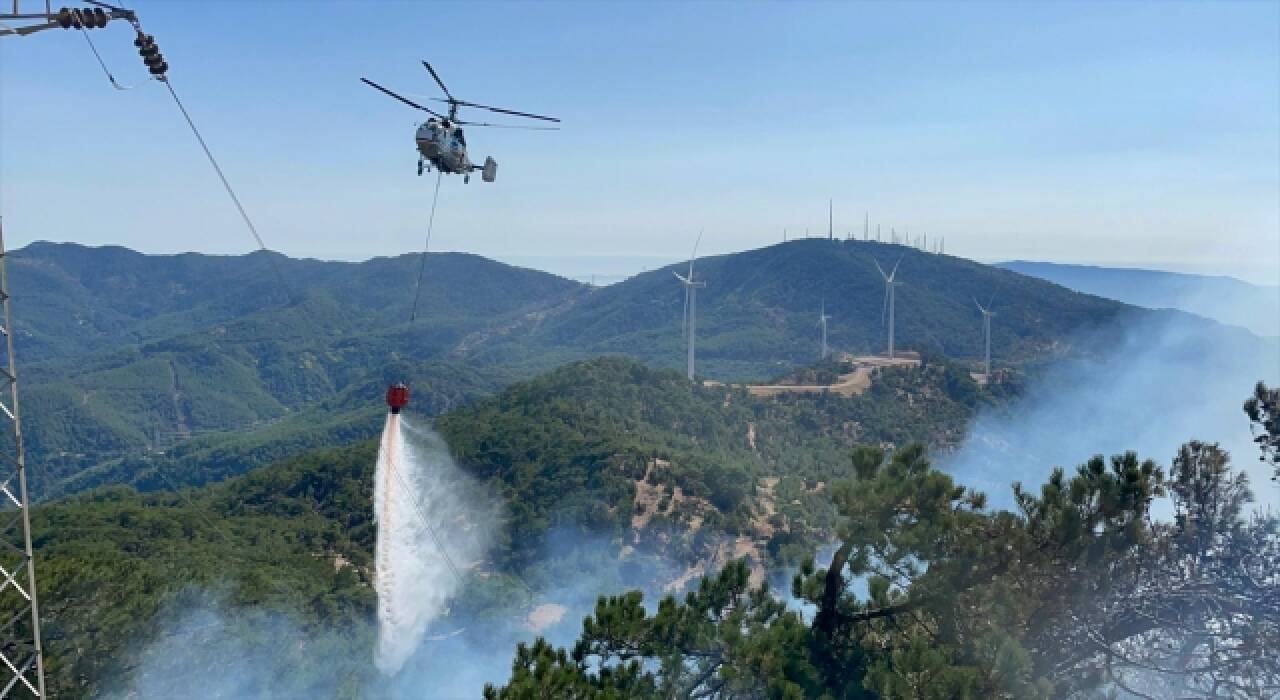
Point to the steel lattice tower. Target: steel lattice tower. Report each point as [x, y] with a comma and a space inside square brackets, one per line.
[21, 657]
[21, 654]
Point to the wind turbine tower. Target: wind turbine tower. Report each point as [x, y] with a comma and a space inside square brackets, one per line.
[890, 282]
[690, 324]
[822, 323]
[831, 220]
[987, 313]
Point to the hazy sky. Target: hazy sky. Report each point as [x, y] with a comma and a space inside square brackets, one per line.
[1128, 133]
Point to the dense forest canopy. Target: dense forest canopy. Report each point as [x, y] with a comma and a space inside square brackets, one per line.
[929, 592]
[1079, 592]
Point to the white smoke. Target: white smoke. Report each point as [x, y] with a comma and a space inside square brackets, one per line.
[1170, 379]
[429, 531]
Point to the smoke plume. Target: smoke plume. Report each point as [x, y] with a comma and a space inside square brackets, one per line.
[1169, 379]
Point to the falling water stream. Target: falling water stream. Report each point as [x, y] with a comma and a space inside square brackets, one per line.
[419, 512]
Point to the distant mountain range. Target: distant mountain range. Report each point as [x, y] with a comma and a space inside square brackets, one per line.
[128, 358]
[1224, 299]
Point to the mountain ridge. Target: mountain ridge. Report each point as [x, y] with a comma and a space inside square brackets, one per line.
[183, 353]
[1222, 298]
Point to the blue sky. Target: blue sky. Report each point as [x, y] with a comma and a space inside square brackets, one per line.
[1143, 133]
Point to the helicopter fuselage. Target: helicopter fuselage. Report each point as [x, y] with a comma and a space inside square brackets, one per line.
[444, 147]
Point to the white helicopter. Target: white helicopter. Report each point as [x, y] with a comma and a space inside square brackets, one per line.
[441, 143]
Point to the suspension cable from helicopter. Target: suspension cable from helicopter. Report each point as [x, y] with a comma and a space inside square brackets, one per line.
[422, 267]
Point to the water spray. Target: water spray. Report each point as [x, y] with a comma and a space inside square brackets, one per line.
[416, 496]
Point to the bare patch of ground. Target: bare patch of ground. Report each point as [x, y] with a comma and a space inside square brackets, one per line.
[766, 507]
[647, 496]
[849, 384]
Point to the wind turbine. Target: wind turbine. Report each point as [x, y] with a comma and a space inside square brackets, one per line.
[986, 336]
[822, 323]
[689, 326]
[889, 297]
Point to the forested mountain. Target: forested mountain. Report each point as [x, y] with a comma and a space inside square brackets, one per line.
[127, 356]
[279, 560]
[73, 300]
[1223, 299]
[683, 477]
[759, 310]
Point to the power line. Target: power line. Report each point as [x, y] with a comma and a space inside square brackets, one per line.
[102, 63]
[216, 168]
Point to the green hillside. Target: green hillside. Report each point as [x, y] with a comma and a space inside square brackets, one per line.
[73, 300]
[574, 447]
[353, 415]
[112, 561]
[759, 310]
[565, 452]
[126, 356]
[1224, 299]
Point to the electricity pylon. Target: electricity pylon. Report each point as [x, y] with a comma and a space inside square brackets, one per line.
[21, 653]
[21, 658]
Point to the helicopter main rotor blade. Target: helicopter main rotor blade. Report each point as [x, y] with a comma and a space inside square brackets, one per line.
[499, 110]
[405, 100]
[439, 82]
[508, 126]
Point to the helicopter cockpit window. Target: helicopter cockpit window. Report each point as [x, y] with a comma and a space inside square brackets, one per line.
[457, 135]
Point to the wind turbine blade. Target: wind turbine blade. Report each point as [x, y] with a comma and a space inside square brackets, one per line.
[881, 269]
[979, 305]
[894, 273]
[685, 280]
[694, 256]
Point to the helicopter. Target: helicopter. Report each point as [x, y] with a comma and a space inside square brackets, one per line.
[441, 142]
